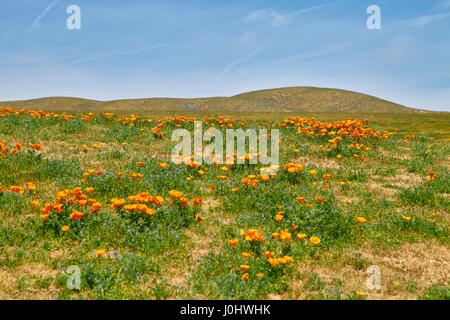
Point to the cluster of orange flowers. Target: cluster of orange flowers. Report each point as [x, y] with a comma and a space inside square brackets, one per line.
[335, 130]
[143, 202]
[138, 203]
[4, 112]
[29, 186]
[70, 206]
[5, 150]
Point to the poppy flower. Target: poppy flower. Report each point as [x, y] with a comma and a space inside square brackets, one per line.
[233, 242]
[315, 240]
[100, 253]
[361, 220]
[65, 228]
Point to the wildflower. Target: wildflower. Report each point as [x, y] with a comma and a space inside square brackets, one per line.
[184, 201]
[268, 254]
[260, 275]
[244, 267]
[100, 253]
[246, 254]
[234, 190]
[285, 235]
[252, 235]
[44, 216]
[65, 228]
[200, 172]
[320, 199]
[302, 236]
[136, 176]
[30, 186]
[246, 181]
[301, 200]
[35, 203]
[314, 240]
[76, 215]
[95, 207]
[245, 277]
[407, 218]
[312, 172]
[117, 203]
[361, 220]
[198, 218]
[233, 242]
[360, 294]
[431, 176]
[224, 168]
[174, 194]
[326, 176]
[163, 165]
[139, 164]
[35, 146]
[339, 156]
[197, 201]
[278, 218]
[150, 211]
[119, 174]
[89, 190]
[222, 178]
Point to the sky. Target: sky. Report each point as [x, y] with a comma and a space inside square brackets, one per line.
[200, 48]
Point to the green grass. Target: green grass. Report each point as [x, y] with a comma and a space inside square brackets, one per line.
[184, 252]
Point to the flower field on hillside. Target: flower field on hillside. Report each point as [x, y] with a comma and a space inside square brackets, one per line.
[99, 191]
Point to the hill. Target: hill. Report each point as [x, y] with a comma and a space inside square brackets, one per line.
[292, 99]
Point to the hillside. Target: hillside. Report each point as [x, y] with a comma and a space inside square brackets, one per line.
[293, 99]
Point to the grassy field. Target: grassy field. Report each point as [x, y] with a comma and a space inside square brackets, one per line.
[99, 192]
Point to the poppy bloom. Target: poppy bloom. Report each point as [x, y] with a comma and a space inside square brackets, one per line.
[174, 194]
[245, 277]
[244, 267]
[314, 240]
[163, 165]
[246, 254]
[76, 215]
[65, 228]
[361, 220]
[89, 190]
[35, 203]
[260, 275]
[302, 236]
[100, 252]
[233, 242]
[407, 218]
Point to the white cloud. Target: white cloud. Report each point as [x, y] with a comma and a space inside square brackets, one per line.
[42, 15]
[277, 19]
[233, 64]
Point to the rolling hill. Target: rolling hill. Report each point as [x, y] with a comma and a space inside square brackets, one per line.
[292, 99]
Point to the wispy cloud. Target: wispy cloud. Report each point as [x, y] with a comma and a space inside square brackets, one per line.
[277, 19]
[117, 53]
[423, 21]
[38, 19]
[233, 64]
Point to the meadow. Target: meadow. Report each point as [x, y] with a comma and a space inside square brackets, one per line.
[98, 191]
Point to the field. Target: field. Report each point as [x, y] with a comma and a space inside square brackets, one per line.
[98, 193]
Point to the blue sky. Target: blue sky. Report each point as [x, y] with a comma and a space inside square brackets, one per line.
[194, 48]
